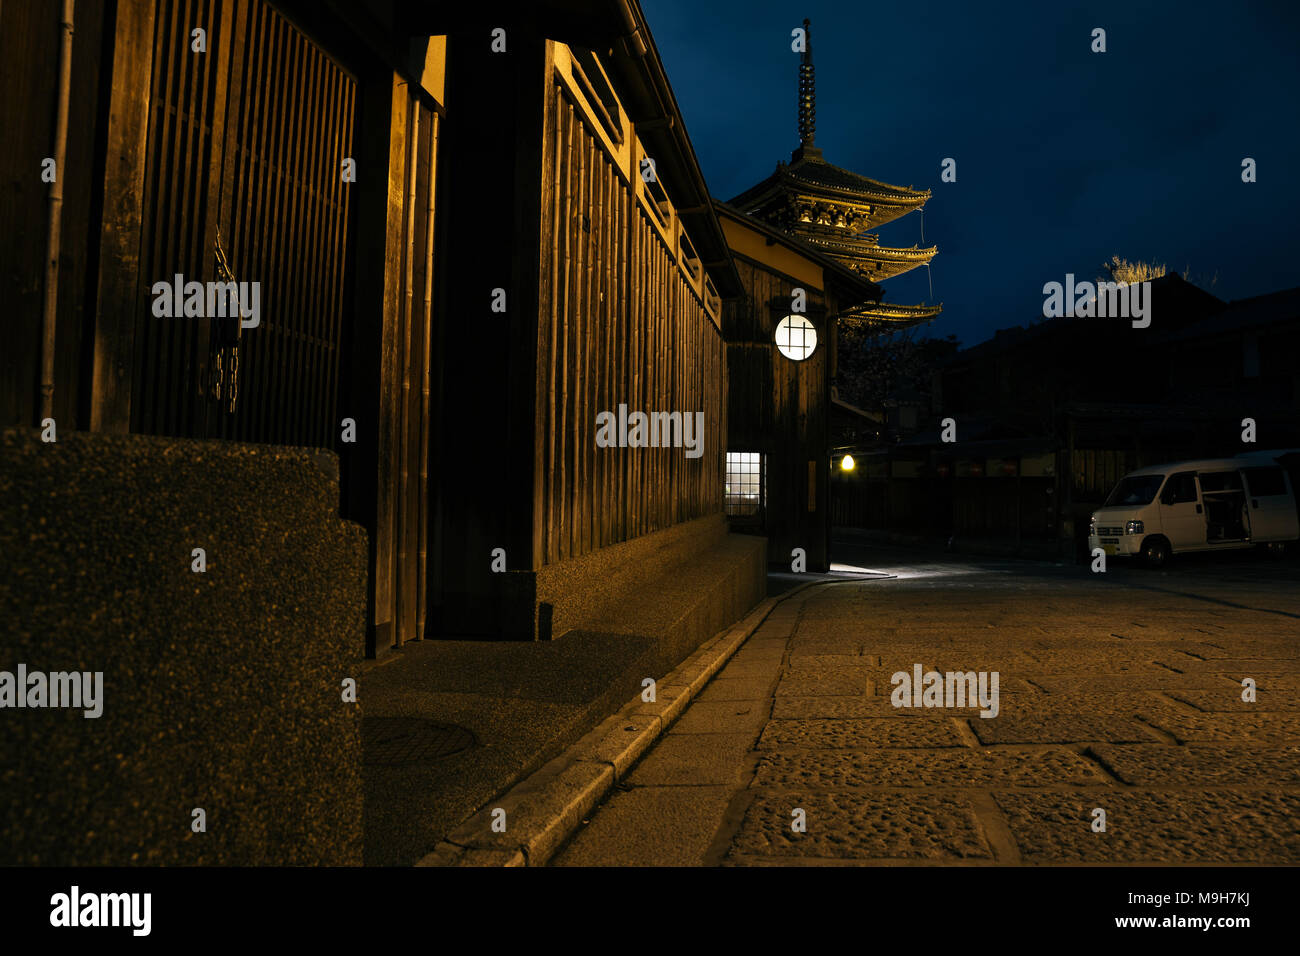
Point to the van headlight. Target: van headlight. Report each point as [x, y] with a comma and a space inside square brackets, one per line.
[1134, 527]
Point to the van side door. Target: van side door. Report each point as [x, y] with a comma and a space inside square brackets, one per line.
[1181, 516]
[1272, 507]
[1226, 514]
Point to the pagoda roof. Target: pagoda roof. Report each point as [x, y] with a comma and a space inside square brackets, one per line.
[863, 254]
[830, 208]
[809, 175]
[855, 282]
[888, 314]
[809, 169]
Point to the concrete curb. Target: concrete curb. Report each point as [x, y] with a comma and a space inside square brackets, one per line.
[545, 808]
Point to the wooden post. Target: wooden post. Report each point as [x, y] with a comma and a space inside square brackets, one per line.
[401, 423]
[119, 249]
[424, 512]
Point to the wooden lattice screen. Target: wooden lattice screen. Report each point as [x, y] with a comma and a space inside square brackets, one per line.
[247, 138]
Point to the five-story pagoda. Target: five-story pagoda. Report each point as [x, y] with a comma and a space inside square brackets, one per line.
[834, 210]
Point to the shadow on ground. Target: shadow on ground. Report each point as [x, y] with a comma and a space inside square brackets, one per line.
[522, 702]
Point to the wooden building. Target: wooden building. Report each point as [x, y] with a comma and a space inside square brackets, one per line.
[472, 231]
[781, 353]
[807, 262]
[289, 144]
[586, 274]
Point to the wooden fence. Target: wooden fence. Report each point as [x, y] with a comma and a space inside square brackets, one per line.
[621, 323]
[244, 150]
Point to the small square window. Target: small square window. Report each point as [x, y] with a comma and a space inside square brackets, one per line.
[743, 491]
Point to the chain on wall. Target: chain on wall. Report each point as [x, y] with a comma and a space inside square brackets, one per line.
[223, 343]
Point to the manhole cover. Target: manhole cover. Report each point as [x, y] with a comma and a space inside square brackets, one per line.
[396, 741]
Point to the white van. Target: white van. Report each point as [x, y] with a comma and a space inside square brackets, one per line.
[1210, 505]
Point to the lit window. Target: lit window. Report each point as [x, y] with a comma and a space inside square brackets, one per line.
[743, 492]
[796, 337]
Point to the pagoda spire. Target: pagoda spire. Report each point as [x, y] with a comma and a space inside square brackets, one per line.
[807, 90]
[807, 102]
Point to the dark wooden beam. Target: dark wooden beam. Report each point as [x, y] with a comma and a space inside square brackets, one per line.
[119, 251]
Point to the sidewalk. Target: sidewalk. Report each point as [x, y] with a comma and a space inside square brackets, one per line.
[448, 725]
[501, 711]
[521, 702]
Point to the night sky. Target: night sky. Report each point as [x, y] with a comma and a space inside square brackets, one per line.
[1064, 157]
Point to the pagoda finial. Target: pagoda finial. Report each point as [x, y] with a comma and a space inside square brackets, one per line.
[807, 90]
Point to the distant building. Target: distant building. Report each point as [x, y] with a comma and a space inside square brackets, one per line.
[1247, 356]
[1048, 417]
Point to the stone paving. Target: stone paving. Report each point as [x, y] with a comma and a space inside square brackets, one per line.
[1121, 694]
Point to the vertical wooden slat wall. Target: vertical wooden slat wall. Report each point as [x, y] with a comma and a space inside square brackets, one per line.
[401, 537]
[248, 136]
[173, 211]
[619, 324]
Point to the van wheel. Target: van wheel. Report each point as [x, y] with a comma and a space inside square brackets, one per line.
[1155, 552]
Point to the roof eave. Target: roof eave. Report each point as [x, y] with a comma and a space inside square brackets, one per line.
[647, 95]
[617, 26]
[855, 288]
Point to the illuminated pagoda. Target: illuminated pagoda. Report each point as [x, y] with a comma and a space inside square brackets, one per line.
[835, 210]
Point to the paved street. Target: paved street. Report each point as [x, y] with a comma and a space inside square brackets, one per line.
[1119, 692]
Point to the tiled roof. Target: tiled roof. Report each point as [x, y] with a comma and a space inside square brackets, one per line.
[816, 172]
[1260, 310]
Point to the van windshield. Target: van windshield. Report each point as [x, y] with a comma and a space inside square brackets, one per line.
[1135, 490]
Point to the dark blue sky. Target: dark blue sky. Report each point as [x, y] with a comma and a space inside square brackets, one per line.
[1064, 157]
